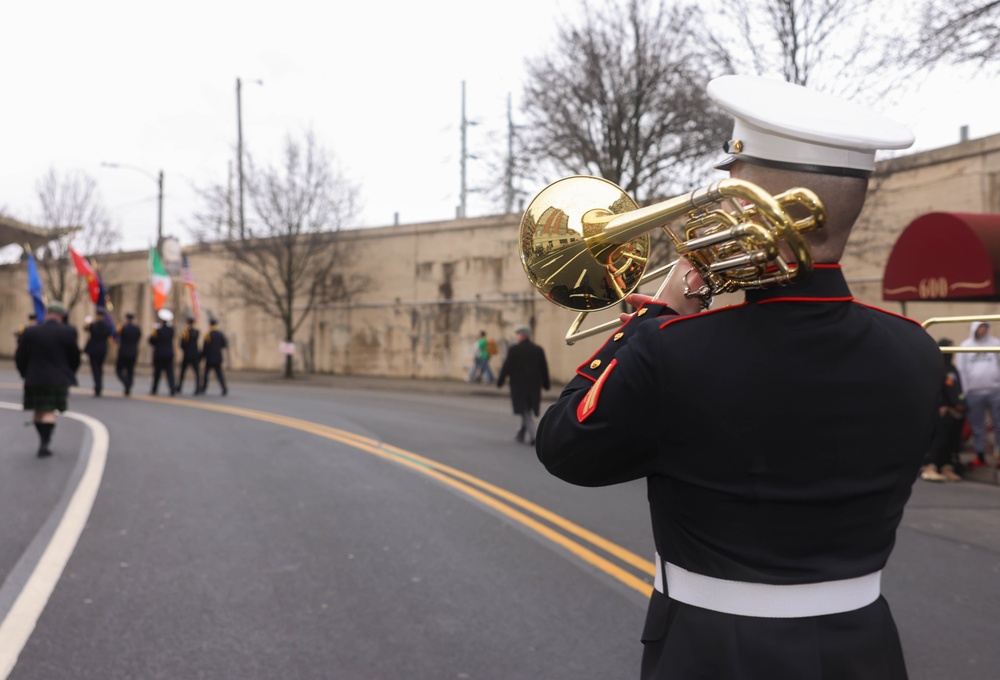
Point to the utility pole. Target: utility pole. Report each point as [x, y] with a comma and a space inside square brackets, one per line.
[462, 190]
[509, 172]
[159, 219]
[239, 154]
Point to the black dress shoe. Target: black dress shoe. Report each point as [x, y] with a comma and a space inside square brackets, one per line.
[43, 451]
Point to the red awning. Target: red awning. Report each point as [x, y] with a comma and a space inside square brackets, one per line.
[945, 256]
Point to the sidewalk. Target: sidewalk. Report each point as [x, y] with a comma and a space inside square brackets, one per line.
[988, 474]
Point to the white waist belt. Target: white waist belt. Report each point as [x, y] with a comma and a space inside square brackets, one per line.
[765, 600]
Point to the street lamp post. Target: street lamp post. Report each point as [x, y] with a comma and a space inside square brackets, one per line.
[159, 198]
[239, 149]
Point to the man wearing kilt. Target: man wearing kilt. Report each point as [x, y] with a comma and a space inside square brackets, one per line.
[47, 357]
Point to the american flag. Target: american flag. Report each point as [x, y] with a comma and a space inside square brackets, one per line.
[187, 277]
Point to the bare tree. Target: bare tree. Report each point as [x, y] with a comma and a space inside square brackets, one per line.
[851, 47]
[71, 199]
[621, 95]
[959, 31]
[288, 265]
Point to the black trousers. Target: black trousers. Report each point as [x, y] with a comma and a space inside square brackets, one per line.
[218, 373]
[125, 370]
[683, 642]
[195, 366]
[947, 441]
[163, 366]
[97, 368]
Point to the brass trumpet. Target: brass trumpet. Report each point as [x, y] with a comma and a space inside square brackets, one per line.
[585, 244]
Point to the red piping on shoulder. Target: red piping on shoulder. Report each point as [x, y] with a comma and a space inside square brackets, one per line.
[886, 311]
[675, 319]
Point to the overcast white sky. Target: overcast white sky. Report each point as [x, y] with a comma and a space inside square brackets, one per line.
[153, 85]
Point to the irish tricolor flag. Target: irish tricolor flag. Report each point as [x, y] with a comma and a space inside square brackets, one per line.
[158, 279]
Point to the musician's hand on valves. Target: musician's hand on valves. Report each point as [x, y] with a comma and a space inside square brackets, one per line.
[684, 291]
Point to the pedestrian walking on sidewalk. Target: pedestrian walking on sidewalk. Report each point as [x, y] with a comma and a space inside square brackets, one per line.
[943, 464]
[980, 373]
[528, 371]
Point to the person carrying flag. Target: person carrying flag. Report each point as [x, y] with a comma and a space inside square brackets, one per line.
[129, 335]
[190, 355]
[97, 346]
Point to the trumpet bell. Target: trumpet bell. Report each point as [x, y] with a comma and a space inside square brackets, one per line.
[564, 250]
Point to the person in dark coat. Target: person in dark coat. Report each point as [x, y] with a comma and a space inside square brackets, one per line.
[779, 437]
[97, 347]
[942, 460]
[528, 371]
[47, 357]
[212, 350]
[190, 355]
[162, 340]
[129, 335]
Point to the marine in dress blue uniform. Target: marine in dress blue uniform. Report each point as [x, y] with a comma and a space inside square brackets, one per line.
[212, 351]
[96, 349]
[129, 335]
[779, 437]
[162, 340]
[190, 355]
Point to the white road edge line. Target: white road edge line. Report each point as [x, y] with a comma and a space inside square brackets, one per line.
[17, 627]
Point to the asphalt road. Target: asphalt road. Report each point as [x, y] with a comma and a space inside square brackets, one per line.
[304, 531]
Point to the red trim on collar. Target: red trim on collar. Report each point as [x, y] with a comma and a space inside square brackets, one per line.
[849, 298]
[826, 265]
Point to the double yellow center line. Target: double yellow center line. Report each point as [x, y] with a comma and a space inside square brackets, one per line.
[579, 541]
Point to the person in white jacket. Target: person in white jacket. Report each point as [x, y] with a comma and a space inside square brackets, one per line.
[980, 373]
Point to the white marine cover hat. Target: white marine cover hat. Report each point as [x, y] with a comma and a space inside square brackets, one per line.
[780, 124]
[165, 315]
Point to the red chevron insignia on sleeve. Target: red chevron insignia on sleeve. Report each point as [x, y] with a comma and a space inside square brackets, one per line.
[589, 403]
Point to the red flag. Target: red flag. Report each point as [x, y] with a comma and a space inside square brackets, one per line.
[83, 268]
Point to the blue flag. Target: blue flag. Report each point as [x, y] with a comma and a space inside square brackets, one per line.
[35, 288]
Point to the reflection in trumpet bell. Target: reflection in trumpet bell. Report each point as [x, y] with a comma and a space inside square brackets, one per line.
[564, 251]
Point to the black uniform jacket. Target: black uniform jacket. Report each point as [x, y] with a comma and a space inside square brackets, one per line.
[779, 438]
[97, 343]
[162, 340]
[189, 345]
[528, 372]
[128, 341]
[212, 348]
[48, 355]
